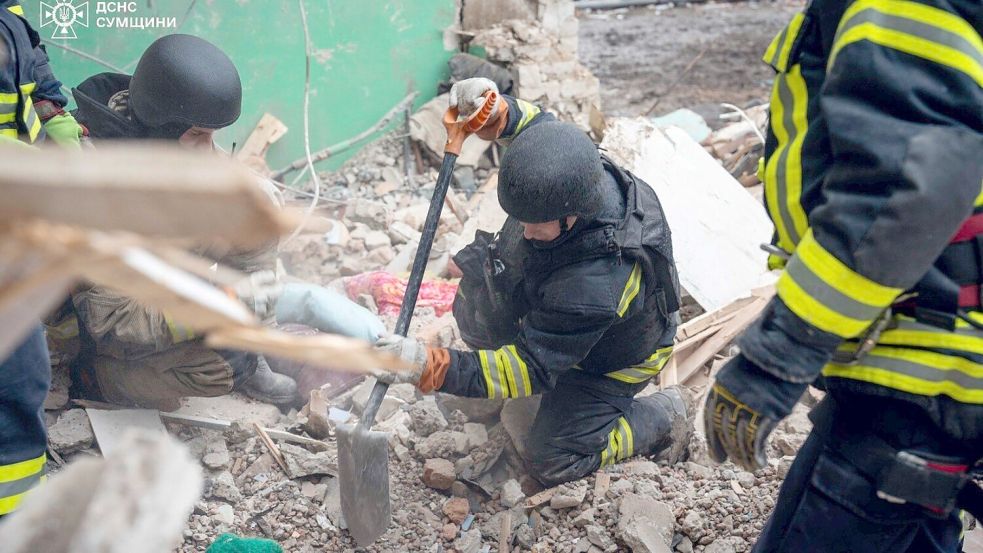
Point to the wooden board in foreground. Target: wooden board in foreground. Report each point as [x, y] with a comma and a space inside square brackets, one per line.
[150, 189]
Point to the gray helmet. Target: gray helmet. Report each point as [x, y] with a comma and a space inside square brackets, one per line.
[550, 171]
[183, 81]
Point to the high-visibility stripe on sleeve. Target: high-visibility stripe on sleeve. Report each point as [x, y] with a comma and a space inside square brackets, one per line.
[621, 443]
[528, 111]
[645, 370]
[16, 9]
[632, 287]
[913, 28]
[179, 332]
[915, 371]
[783, 168]
[506, 374]
[829, 295]
[17, 479]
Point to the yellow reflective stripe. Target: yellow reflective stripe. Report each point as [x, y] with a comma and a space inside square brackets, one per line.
[65, 329]
[645, 370]
[916, 29]
[9, 98]
[979, 199]
[783, 169]
[774, 47]
[829, 295]
[9, 504]
[8, 117]
[9, 133]
[790, 36]
[528, 112]
[632, 287]
[607, 455]
[918, 372]
[492, 383]
[628, 442]
[905, 331]
[179, 332]
[16, 9]
[16, 471]
[520, 372]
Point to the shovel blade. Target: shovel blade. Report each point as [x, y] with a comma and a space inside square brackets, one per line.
[363, 473]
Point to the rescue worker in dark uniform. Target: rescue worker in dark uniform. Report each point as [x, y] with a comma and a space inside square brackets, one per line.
[25, 374]
[183, 89]
[575, 299]
[872, 172]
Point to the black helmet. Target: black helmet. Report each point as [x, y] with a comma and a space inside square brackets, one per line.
[183, 81]
[550, 171]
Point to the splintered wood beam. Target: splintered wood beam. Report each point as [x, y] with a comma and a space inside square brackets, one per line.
[154, 190]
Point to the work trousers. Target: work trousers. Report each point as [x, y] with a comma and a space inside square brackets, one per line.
[589, 421]
[24, 380]
[827, 504]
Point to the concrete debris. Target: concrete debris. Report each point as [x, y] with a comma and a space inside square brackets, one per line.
[224, 514]
[469, 542]
[223, 486]
[71, 432]
[444, 443]
[569, 495]
[456, 509]
[476, 434]
[644, 524]
[511, 494]
[439, 474]
[301, 463]
[426, 418]
[136, 499]
[517, 417]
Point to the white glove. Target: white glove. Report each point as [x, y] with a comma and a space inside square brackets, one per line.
[259, 291]
[408, 349]
[467, 96]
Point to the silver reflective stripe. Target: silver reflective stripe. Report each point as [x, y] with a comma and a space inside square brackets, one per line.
[919, 29]
[827, 295]
[17, 487]
[515, 370]
[788, 122]
[491, 373]
[779, 47]
[6, 108]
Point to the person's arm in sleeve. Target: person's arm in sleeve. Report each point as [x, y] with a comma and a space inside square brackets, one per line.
[580, 304]
[111, 317]
[903, 106]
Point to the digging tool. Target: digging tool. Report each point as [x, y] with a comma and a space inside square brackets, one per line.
[363, 454]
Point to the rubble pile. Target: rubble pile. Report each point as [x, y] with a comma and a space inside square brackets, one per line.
[541, 51]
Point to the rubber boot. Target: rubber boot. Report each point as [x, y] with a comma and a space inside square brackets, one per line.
[663, 424]
[266, 385]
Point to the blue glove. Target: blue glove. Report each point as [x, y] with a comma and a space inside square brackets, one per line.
[742, 409]
[327, 311]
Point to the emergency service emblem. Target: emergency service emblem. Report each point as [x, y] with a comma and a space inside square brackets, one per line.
[64, 15]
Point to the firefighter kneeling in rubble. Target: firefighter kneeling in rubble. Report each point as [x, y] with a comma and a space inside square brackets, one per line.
[576, 299]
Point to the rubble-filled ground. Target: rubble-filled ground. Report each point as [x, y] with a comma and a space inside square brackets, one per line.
[457, 481]
[638, 53]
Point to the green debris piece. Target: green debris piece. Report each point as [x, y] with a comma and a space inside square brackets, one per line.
[231, 543]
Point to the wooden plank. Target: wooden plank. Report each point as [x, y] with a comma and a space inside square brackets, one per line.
[720, 339]
[540, 498]
[156, 191]
[505, 533]
[322, 350]
[602, 481]
[28, 299]
[267, 131]
[271, 447]
[699, 324]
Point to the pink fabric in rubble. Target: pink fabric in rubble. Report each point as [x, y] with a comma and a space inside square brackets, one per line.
[387, 290]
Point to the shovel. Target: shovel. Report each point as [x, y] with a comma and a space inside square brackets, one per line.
[363, 454]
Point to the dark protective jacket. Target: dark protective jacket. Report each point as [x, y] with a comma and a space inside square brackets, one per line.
[18, 117]
[873, 162]
[604, 300]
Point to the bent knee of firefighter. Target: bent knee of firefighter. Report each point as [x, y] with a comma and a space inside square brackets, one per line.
[551, 465]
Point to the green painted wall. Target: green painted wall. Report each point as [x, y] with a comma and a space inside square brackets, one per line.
[368, 55]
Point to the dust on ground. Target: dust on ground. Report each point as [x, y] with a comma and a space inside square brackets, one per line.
[638, 52]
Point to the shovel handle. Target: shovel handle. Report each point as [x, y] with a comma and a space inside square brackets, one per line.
[457, 133]
[459, 130]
